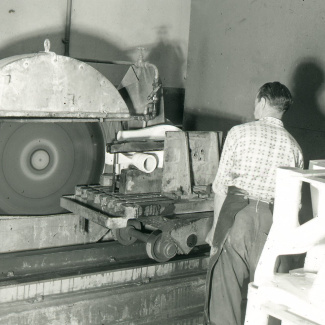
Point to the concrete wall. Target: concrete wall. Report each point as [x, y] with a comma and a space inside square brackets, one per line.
[237, 45]
[117, 27]
[25, 24]
[105, 30]
[102, 29]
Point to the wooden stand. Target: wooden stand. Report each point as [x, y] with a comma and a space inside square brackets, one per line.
[297, 297]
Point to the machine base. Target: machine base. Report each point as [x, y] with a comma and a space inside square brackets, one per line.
[118, 289]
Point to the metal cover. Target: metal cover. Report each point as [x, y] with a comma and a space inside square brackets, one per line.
[48, 85]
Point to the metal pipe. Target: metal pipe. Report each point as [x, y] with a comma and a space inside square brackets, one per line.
[147, 64]
[66, 40]
[105, 61]
[141, 63]
[138, 234]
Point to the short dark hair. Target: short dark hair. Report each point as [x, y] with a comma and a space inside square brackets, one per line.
[277, 94]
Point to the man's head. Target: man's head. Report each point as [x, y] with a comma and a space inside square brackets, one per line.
[273, 99]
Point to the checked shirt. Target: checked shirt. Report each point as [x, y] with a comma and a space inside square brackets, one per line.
[251, 154]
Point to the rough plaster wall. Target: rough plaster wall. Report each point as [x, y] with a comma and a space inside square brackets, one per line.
[237, 45]
[104, 30]
[25, 24]
[118, 27]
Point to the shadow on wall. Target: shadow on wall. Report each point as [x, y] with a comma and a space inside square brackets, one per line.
[92, 47]
[32, 44]
[307, 83]
[85, 43]
[167, 53]
[209, 122]
[82, 45]
[168, 56]
[305, 120]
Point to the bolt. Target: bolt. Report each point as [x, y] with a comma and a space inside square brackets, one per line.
[10, 274]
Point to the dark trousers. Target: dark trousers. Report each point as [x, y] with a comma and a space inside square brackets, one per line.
[237, 262]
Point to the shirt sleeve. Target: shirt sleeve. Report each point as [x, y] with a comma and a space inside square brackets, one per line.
[224, 176]
[299, 161]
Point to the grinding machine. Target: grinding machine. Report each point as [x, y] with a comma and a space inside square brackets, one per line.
[104, 206]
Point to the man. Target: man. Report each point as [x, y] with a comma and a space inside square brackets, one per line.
[244, 191]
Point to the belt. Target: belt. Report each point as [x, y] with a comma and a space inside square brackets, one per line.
[233, 190]
[257, 199]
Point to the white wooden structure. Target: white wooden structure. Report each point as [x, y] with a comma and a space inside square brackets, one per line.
[299, 296]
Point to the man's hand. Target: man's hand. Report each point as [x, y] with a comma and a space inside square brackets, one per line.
[209, 239]
[210, 234]
[218, 202]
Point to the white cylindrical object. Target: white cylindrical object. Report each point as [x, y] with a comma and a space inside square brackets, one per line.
[156, 132]
[144, 162]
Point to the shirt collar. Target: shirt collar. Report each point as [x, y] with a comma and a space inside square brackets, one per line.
[272, 120]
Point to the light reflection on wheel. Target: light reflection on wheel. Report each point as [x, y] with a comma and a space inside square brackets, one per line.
[40, 162]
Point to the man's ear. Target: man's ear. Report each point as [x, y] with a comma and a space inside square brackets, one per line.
[263, 102]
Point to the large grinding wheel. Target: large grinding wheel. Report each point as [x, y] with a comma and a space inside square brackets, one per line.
[40, 162]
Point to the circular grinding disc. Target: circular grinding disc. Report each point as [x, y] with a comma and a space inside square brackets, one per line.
[40, 162]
